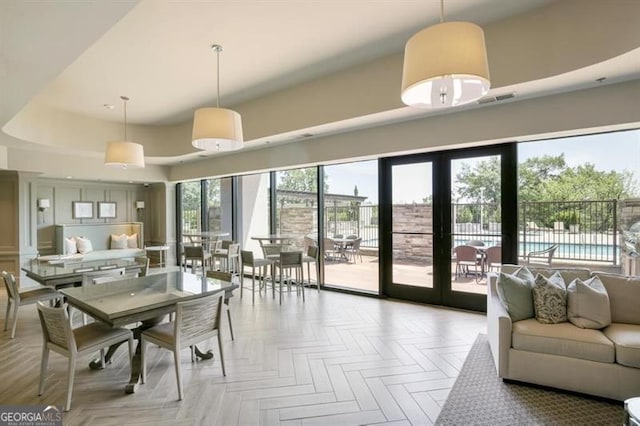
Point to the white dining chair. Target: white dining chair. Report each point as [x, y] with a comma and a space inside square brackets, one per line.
[196, 320]
[59, 337]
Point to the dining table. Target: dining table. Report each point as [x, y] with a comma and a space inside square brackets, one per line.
[146, 300]
[60, 272]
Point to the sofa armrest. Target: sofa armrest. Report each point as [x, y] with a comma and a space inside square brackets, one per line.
[498, 327]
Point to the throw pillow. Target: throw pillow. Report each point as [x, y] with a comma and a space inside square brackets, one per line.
[588, 303]
[118, 241]
[132, 241]
[550, 299]
[70, 246]
[84, 245]
[515, 292]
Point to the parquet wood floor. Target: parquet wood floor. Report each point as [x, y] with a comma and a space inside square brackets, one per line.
[337, 359]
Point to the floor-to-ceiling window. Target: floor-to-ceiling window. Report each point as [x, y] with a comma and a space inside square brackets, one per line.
[191, 203]
[577, 197]
[351, 226]
[219, 211]
[297, 204]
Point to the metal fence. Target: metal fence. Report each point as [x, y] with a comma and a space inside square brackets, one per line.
[353, 220]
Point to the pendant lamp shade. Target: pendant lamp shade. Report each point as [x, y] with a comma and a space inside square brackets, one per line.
[445, 65]
[217, 129]
[123, 154]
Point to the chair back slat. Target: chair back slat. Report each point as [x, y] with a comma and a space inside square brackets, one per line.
[271, 249]
[193, 251]
[11, 285]
[196, 318]
[290, 258]
[312, 251]
[247, 257]
[227, 243]
[56, 326]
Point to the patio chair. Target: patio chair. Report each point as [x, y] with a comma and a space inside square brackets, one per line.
[493, 257]
[23, 298]
[330, 251]
[467, 256]
[59, 337]
[196, 320]
[544, 257]
[353, 250]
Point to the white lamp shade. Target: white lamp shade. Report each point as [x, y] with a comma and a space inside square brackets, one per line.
[139, 204]
[445, 65]
[124, 155]
[44, 203]
[217, 129]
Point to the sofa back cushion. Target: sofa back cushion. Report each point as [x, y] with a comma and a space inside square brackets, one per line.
[568, 274]
[624, 297]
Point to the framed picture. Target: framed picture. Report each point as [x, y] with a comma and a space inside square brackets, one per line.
[82, 209]
[106, 210]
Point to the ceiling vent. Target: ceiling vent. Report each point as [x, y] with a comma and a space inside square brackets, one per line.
[499, 98]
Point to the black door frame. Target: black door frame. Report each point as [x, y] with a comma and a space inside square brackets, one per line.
[441, 293]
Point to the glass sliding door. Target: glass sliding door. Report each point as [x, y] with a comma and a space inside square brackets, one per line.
[351, 226]
[219, 206]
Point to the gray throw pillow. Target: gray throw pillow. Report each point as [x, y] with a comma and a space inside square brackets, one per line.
[550, 299]
[588, 303]
[514, 291]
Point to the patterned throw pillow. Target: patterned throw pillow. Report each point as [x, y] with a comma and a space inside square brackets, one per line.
[514, 291]
[550, 299]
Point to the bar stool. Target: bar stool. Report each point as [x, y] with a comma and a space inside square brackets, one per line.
[248, 259]
[229, 258]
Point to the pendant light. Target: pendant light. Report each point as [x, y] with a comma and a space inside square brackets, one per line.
[445, 65]
[217, 129]
[123, 154]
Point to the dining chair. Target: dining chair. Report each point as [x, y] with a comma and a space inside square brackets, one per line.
[196, 254]
[310, 257]
[228, 294]
[272, 250]
[248, 259]
[544, 257]
[196, 320]
[290, 262]
[59, 337]
[17, 298]
[229, 258]
[143, 261]
[467, 256]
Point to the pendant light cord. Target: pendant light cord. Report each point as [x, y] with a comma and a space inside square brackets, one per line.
[124, 100]
[218, 49]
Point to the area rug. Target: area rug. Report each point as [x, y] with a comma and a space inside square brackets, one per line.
[479, 397]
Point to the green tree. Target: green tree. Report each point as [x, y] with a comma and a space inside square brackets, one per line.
[301, 180]
[537, 172]
[480, 183]
[586, 183]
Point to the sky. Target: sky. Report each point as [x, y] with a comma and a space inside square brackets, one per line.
[608, 151]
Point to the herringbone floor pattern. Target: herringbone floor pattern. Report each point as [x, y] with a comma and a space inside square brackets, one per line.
[335, 360]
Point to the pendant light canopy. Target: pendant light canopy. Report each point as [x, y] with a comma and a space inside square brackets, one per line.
[217, 129]
[445, 65]
[123, 154]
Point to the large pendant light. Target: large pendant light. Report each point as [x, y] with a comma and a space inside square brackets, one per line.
[217, 129]
[123, 154]
[445, 65]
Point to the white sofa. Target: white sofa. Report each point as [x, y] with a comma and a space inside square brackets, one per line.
[604, 363]
[100, 236]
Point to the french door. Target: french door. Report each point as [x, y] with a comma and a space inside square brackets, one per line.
[432, 203]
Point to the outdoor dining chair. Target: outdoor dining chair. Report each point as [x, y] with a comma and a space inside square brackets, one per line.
[18, 299]
[59, 337]
[196, 320]
[493, 257]
[466, 257]
[544, 257]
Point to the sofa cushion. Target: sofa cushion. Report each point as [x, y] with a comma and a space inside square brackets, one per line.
[624, 297]
[562, 339]
[132, 241]
[84, 245]
[626, 338]
[588, 304]
[113, 254]
[70, 245]
[514, 291]
[550, 299]
[118, 242]
[568, 274]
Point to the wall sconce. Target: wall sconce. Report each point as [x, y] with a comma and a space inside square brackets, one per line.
[43, 204]
[139, 205]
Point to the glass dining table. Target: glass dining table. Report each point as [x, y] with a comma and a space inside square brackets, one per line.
[64, 273]
[145, 299]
